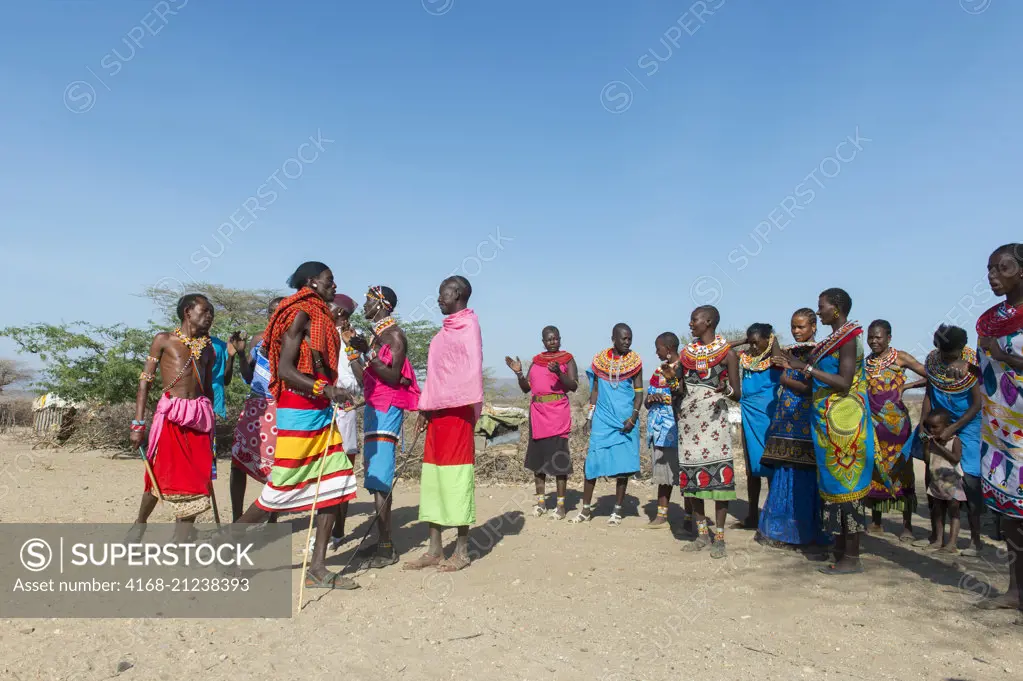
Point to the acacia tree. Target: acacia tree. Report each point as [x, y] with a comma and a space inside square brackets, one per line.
[12, 371]
[89, 362]
[84, 361]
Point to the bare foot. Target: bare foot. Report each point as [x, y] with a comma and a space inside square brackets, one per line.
[453, 564]
[949, 549]
[657, 523]
[875, 529]
[927, 544]
[906, 535]
[424, 561]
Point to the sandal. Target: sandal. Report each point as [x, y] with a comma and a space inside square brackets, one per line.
[971, 552]
[559, 513]
[538, 511]
[453, 564]
[581, 518]
[698, 544]
[423, 561]
[996, 604]
[614, 519]
[381, 560]
[333, 580]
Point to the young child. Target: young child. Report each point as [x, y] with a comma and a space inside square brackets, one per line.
[662, 402]
[945, 488]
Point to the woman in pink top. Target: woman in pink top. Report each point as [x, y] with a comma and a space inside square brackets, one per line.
[552, 375]
[390, 388]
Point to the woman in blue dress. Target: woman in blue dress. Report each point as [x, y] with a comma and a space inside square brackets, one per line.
[616, 395]
[792, 512]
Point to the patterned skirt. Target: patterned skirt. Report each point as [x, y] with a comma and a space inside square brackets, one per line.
[706, 469]
[255, 438]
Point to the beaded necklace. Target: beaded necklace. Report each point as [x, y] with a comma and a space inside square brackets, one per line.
[195, 345]
[829, 344]
[878, 363]
[1001, 320]
[383, 325]
[938, 372]
[702, 357]
[616, 369]
[759, 362]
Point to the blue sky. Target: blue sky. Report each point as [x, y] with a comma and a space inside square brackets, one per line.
[584, 162]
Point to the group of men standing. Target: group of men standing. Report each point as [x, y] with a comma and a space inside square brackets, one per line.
[297, 432]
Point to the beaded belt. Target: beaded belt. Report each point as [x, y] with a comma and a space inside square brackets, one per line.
[553, 397]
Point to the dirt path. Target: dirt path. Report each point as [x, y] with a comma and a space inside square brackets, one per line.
[544, 600]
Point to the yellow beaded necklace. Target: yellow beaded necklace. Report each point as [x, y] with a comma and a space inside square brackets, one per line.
[195, 345]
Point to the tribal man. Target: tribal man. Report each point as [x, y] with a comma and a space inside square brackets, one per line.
[449, 406]
[180, 452]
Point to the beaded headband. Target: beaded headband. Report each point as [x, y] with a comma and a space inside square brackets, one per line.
[377, 293]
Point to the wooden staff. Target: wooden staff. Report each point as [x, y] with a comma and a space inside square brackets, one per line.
[149, 470]
[312, 511]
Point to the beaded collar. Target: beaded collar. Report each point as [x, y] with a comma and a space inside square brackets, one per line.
[759, 362]
[837, 339]
[615, 370]
[194, 345]
[939, 376]
[878, 363]
[702, 357]
[1001, 320]
[383, 325]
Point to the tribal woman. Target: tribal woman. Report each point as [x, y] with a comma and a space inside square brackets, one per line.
[551, 376]
[311, 470]
[893, 487]
[1000, 352]
[843, 428]
[710, 370]
[792, 511]
[952, 377]
[390, 386]
[616, 394]
[759, 400]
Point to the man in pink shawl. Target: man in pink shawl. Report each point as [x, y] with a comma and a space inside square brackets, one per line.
[449, 406]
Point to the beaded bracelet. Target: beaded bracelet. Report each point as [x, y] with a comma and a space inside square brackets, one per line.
[589, 414]
[148, 378]
[318, 386]
[352, 354]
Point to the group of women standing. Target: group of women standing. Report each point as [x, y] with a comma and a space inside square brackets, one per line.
[827, 426]
[824, 422]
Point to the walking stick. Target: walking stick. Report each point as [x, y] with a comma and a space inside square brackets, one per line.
[149, 470]
[312, 511]
[216, 511]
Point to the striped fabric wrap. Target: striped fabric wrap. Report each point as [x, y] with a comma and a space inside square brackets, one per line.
[305, 435]
[448, 479]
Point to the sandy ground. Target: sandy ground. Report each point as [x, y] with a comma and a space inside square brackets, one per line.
[545, 600]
